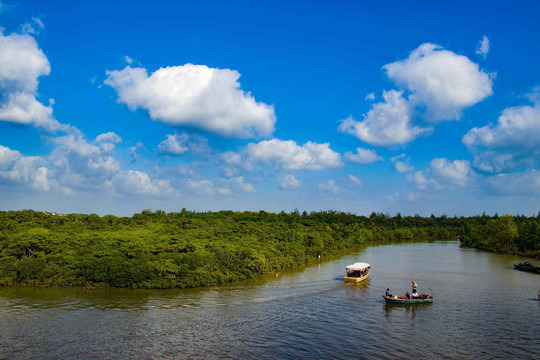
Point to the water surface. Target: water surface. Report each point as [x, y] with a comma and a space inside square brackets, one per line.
[482, 309]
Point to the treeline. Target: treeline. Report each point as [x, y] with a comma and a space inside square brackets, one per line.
[189, 249]
[518, 235]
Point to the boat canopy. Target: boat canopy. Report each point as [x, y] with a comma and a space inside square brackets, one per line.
[358, 266]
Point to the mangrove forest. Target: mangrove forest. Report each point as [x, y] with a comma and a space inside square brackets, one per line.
[155, 249]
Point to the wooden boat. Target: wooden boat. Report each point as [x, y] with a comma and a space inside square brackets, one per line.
[527, 266]
[357, 272]
[405, 301]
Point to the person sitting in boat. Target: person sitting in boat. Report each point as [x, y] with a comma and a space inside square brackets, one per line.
[407, 295]
[388, 293]
[415, 295]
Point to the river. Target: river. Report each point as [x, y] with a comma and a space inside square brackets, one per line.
[482, 309]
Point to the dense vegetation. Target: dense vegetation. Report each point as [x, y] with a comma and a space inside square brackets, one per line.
[188, 249]
[506, 234]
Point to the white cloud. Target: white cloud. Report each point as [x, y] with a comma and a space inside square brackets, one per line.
[174, 144]
[525, 183]
[133, 151]
[329, 186]
[78, 164]
[370, 97]
[402, 166]
[179, 144]
[482, 48]
[387, 123]
[513, 140]
[138, 182]
[21, 64]
[23, 169]
[443, 82]
[363, 156]
[355, 180]
[288, 182]
[201, 186]
[494, 161]
[107, 141]
[239, 184]
[517, 126]
[33, 27]
[288, 155]
[443, 173]
[194, 95]
[457, 172]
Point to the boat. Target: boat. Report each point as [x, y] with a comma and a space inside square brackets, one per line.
[527, 266]
[357, 272]
[424, 299]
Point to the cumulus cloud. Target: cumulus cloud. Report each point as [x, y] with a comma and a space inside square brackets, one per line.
[289, 155]
[443, 82]
[108, 140]
[196, 96]
[23, 169]
[370, 97]
[443, 173]
[401, 163]
[179, 144]
[387, 123]
[524, 183]
[21, 64]
[240, 184]
[132, 181]
[80, 165]
[517, 126]
[363, 156]
[174, 144]
[514, 139]
[482, 48]
[329, 186]
[435, 85]
[288, 182]
[201, 186]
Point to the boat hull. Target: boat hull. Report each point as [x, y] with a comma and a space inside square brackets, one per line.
[393, 300]
[355, 279]
[528, 267]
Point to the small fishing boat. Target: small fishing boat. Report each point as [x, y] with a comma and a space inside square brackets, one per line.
[527, 266]
[357, 272]
[424, 299]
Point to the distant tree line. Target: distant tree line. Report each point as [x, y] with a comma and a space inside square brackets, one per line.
[518, 235]
[155, 249]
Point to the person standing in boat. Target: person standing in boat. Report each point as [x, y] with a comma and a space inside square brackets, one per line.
[414, 287]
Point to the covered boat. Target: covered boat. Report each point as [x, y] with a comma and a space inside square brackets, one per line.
[424, 299]
[357, 272]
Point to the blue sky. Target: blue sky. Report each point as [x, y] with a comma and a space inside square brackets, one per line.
[417, 107]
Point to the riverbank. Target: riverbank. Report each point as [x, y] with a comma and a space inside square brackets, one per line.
[187, 249]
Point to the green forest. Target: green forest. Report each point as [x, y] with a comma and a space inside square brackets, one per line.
[155, 249]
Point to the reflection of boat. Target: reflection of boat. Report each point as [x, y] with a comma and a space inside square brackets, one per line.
[357, 272]
[405, 301]
[527, 266]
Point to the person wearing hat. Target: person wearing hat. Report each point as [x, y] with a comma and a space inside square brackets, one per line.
[414, 287]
